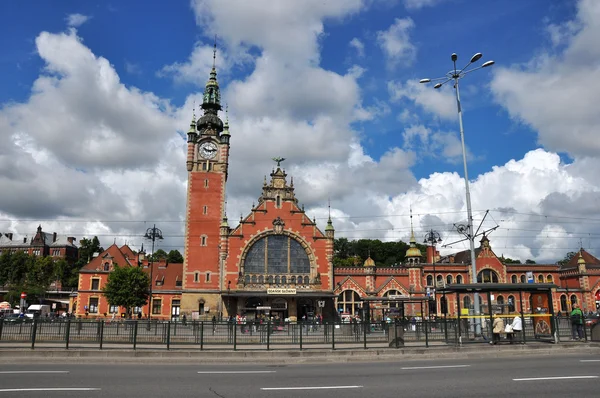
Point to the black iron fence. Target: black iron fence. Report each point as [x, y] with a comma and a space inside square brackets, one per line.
[254, 335]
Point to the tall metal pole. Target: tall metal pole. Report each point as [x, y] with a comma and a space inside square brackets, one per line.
[432, 237]
[152, 234]
[469, 209]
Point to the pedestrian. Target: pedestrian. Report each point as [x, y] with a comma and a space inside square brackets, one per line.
[577, 322]
[184, 320]
[517, 328]
[214, 323]
[497, 328]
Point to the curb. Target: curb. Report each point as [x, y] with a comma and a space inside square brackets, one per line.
[151, 356]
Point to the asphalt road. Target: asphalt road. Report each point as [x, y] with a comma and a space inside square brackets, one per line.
[545, 376]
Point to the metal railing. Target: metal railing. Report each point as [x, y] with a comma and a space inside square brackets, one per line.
[254, 335]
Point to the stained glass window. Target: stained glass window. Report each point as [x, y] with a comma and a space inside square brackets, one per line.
[280, 253]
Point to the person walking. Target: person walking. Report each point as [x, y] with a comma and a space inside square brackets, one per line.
[577, 322]
[517, 328]
[497, 328]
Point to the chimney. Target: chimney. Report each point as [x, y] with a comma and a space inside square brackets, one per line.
[70, 239]
[9, 235]
[54, 237]
[25, 240]
[430, 254]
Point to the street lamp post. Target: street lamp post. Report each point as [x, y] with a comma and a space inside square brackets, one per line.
[152, 234]
[455, 75]
[431, 238]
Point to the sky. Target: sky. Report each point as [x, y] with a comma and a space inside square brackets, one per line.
[97, 96]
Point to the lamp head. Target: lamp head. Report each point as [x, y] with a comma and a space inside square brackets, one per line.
[488, 63]
[476, 57]
[438, 85]
[424, 80]
[454, 57]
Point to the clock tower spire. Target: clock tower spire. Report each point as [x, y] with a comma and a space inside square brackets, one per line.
[207, 165]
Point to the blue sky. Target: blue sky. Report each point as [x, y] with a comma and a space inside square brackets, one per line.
[95, 93]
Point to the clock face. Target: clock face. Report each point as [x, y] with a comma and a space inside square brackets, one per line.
[208, 150]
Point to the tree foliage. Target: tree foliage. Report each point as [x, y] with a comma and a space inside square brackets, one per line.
[158, 255]
[127, 287]
[174, 257]
[567, 258]
[351, 253]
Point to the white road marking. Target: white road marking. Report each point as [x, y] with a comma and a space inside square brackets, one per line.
[48, 389]
[238, 372]
[436, 367]
[556, 378]
[590, 360]
[33, 371]
[309, 388]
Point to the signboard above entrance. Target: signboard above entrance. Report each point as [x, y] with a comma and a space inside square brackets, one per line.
[281, 291]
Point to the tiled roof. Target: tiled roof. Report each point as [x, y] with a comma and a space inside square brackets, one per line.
[590, 261]
[169, 274]
[114, 252]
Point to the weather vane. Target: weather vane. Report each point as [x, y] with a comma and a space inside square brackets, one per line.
[278, 160]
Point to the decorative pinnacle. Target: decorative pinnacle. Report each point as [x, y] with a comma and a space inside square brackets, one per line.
[215, 52]
[278, 160]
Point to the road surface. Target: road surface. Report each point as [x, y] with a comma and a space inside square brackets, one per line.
[544, 376]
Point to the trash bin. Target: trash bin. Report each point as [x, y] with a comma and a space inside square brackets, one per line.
[396, 335]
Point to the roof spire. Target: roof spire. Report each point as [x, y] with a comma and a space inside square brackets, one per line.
[215, 52]
[329, 226]
[412, 232]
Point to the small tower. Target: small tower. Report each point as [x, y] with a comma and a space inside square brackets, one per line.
[413, 254]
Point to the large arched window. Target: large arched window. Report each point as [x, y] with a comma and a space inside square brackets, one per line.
[349, 302]
[459, 279]
[522, 278]
[540, 278]
[549, 279]
[277, 254]
[448, 279]
[429, 280]
[511, 303]
[487, 276]
[563, 303]
[513, 279]
[467, 302]
[573, 299]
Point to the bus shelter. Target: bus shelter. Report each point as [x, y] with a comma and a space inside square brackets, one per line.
[397, 308]
[535, 309]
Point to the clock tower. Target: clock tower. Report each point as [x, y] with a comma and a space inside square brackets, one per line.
[207, 164]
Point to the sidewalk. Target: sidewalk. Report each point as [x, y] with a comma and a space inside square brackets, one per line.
[281, 355]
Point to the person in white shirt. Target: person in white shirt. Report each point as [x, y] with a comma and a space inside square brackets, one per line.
[517, 327]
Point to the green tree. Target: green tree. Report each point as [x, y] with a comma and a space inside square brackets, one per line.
[509, 260]
[341, 248]
[87, 248]
[567, 258]
[158, 255]
[528, 261]
[174, 257]
[127, 287]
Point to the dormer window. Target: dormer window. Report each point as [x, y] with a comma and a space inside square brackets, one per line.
[106, 267]
[278, 201]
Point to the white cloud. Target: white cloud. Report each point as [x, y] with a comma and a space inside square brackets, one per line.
[418, 4]
[358, 46]
[395, 43]
[556, 94]
[84, 146]
[441, 102]
[76, 20]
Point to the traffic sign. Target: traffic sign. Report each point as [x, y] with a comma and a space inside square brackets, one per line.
[23, 295]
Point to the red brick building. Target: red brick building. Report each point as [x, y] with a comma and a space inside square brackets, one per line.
[577, 281]
[166, 285]
[42, 244]
[275, 261]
